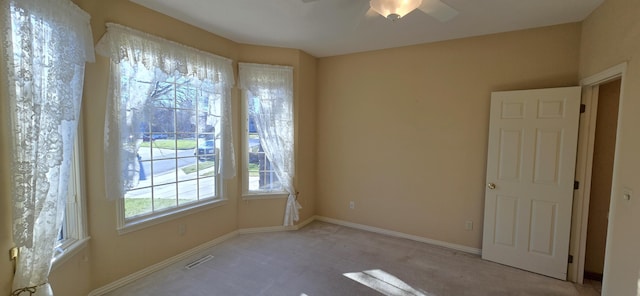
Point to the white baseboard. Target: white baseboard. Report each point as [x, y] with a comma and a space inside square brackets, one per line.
[276, 228]
[167, 262]
[457, 247]
[158, 266]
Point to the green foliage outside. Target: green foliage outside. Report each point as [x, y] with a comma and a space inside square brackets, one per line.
[171, 144]
[190, 169]
[138, 206]
[254, 168]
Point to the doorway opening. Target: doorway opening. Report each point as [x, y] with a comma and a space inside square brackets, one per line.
[601, 179]
[594, 171]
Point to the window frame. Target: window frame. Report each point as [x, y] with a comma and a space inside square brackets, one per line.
[126, 225]
[246, 193]
[75, 221]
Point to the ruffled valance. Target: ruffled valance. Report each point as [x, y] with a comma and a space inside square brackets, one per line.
[265, 77]
[122, 43]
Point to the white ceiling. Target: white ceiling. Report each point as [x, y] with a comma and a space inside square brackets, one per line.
[333, 27]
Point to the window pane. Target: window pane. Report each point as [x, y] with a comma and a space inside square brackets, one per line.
[185, 121]
[164, 171]
[207, 187]
[188, 192]
[164, 196]
[138, 202]
[262, 176]
[188, 168]
[178, 124]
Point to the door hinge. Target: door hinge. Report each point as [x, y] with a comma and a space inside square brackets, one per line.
[583, 108]
[576, 185]
[570, 258]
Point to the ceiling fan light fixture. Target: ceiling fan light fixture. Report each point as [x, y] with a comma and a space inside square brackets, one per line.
[394, 9]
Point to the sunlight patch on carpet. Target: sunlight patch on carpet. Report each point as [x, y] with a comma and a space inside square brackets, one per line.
[384, 283]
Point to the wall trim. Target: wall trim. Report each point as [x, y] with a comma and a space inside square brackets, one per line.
[160, 265]
[276, 228]
[456, 247]
[604, 76]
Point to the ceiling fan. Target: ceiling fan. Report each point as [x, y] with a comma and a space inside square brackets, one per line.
[396, 9]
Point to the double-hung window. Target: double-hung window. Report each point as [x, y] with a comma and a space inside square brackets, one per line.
[168, 134]
[269, 137]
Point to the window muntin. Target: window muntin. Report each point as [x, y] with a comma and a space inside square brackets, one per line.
[174, 126]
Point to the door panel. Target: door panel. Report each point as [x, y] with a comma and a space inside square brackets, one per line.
[531, 162]
[510, 155]
[547, 157]
[506, 220]
[543, 226]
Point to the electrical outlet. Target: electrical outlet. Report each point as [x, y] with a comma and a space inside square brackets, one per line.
[468, 225]
[352, 205]
[182, 229]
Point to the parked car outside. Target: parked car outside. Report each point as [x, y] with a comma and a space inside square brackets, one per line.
[205, 150]
[152, 137]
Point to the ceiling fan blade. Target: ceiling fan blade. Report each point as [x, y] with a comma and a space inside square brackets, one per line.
[371, 13]
[363, 14]
[438, 9]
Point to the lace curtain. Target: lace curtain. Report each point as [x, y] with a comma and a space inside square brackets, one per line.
[271, 88]
[45, 47]
[146, 58]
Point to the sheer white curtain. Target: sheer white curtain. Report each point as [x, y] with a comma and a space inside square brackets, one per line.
[271, 88]
[44, 50]
[147, 57]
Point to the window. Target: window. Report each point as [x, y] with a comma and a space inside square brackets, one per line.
[73, 232]
[269, 138]
[261, 174]
[177, 125]
[168, 140]
[268, 105]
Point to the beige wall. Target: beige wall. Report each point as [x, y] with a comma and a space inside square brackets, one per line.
[403, 132]
[602, 174]
[611, 35]
[306, 135]
[73, 277]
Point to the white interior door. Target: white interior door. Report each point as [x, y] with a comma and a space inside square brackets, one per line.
[530, 174]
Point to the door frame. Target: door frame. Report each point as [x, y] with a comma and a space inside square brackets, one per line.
[584, 165]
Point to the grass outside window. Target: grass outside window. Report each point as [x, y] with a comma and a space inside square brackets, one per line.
[171, 144]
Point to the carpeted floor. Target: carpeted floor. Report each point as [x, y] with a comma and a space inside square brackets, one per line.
[327, 259]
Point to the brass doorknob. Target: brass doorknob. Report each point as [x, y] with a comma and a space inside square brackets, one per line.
[491, 186]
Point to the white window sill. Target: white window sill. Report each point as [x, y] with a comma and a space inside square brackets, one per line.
[68, 252]
[265, 195]
[151, 220]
